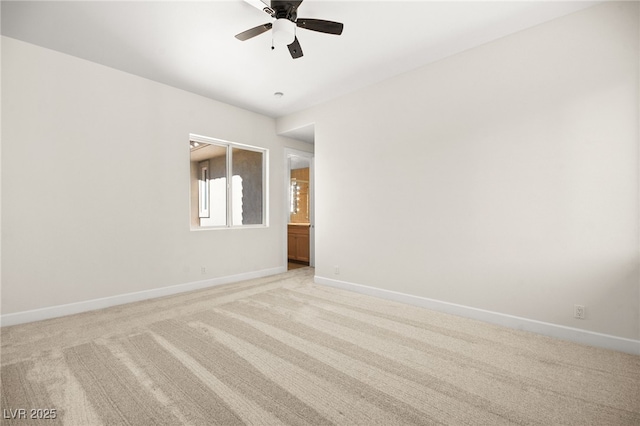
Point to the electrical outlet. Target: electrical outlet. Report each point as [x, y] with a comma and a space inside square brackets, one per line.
[203, 270]
[578, 311]
[336, 270]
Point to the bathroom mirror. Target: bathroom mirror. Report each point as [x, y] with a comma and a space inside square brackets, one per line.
[299, 190]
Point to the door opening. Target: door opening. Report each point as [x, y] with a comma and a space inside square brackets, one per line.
[300, 209]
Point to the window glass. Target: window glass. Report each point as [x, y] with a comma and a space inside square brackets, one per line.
[246, 187]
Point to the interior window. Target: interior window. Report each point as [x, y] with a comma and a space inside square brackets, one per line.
[228, 184]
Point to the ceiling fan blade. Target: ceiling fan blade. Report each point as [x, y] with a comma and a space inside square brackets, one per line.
[246, 35]
[261, 5]
[320, 25]
[295, 49]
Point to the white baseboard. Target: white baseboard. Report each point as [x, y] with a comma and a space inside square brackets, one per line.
[547, 329]
[121, 299]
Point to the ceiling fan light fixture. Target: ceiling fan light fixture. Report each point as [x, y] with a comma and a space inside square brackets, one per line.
[283, 32]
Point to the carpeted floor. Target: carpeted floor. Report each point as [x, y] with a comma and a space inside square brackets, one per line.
[282, 350]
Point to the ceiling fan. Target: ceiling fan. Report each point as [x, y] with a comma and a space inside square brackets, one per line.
[285, 13]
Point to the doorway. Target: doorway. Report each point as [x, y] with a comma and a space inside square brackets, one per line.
[300, 209]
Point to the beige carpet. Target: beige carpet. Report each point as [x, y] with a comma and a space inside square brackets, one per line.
[282, 350]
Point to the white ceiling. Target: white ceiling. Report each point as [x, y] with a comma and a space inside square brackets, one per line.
[191, 45]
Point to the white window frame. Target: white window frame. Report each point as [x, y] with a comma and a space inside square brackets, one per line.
[203, 189]
[229, 175]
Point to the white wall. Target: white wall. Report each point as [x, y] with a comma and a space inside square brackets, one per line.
[95, 183]
[504, 178]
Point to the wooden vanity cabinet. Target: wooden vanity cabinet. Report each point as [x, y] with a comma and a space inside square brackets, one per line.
[298, 243]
